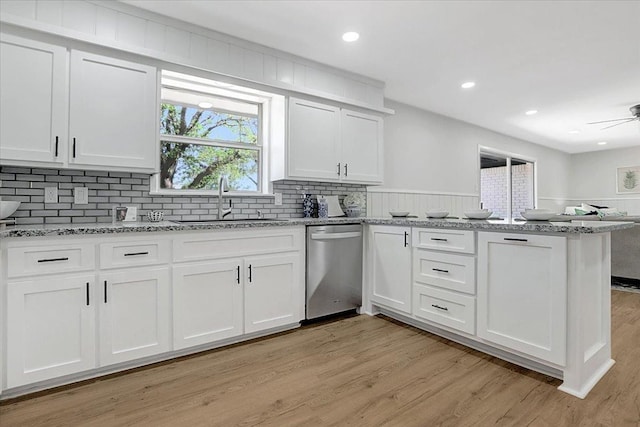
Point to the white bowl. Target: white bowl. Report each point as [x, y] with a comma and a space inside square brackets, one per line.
[538, 210]
[7, 208]
[537, 216]
[398, 214]
[478, 214]
[437, 214]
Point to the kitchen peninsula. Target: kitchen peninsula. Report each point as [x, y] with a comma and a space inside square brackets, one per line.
[533, 293]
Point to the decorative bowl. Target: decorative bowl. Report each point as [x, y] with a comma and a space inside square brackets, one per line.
[478, 214]
[155, 216]
[352, 211]
[437, 213]
[398, 214]
[7, 208]
[534, 215]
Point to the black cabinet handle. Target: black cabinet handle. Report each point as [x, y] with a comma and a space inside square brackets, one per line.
[136, 253]
[53, 259]
[346, 171]
[339, 169]
[406, 235]
[249, 273]
[56, 146]
[238, 276]
[440, 270]
[105, 291]
[439, 308]
[437, 239]
[515, 240]
[87, 288]
[74, 148]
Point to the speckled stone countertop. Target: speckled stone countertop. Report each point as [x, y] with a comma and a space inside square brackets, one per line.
[576, 227]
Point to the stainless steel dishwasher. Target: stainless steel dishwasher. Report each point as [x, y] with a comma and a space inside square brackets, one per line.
[334, 269]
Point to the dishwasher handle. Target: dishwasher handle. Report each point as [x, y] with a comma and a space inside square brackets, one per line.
[333, 236]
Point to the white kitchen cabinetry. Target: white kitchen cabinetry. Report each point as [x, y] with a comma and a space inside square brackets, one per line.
[51, 329]
[522, 293]
[77, 110]
[446, 308]
[326, 143]
[390, 262]
[272, 291]
[134, 307]
[207, 302]
[113, 113]
[33, 105]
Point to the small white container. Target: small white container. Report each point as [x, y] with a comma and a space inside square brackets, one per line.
[155, 216]
[437, 213]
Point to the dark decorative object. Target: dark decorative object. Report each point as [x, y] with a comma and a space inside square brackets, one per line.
[307, 206]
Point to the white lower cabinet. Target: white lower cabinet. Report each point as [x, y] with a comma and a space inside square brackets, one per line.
[522, 293]
[134, 309]
[51, 329]
[207, 302]
[272, 291]
[390, 263]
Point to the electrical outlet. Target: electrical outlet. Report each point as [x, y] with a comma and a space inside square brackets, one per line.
[51, 194]
[277, 199]
[81, 196]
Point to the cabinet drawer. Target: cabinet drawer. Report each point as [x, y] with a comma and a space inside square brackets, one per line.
[446, 240]
[229, 244]
[35, 260]
[446, 308]
[125, 254]
[451, 271]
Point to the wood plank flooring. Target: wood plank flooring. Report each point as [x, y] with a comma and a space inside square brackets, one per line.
[359, 371]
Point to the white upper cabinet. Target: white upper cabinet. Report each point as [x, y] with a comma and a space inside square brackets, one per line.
[33, 105]
[326, 143]
[113, 112]
[314, 131]
[362, 149]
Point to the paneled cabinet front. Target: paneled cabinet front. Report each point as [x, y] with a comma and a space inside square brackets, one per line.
[73, 109]
[51, 327]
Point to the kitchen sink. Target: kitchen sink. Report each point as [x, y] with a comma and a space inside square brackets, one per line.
[219, 221]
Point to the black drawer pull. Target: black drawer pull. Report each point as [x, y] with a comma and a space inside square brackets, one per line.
[136, 253]
[87, 293]
[439, 308]
[440, 270]
[437, 239]
[53, 259]
[515, 240]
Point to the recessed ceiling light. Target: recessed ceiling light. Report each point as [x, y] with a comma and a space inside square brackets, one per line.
[205, 105]
[602, 143]
[350, 36]
[531, 112]
[574, 131]
[467, 85]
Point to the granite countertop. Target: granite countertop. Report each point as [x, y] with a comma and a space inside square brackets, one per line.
[575, 227]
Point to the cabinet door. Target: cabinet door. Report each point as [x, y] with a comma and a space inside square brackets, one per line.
[362, 147]
[33, 105]
[314, 138]
[113, 113]
[50, 328]
[274, 291]
[390, 252]
[522, 293]
[134, 314]
[207, 302]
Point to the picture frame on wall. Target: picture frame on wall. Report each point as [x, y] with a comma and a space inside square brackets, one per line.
[628, 180]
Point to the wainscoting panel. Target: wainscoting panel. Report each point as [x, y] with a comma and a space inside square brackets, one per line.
[380, 202]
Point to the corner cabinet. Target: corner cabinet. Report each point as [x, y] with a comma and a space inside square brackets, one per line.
[522, 293]
[389, 255]
[73, 109]
[327, 143]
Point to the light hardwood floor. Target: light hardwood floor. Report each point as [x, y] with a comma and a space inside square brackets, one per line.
[359, 371]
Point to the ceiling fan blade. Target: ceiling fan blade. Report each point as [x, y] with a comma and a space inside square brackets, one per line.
[618, 124]
[614, 120]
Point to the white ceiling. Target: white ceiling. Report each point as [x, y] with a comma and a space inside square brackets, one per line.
[573, 61]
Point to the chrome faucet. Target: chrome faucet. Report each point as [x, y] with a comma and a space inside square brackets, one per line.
[223, 186]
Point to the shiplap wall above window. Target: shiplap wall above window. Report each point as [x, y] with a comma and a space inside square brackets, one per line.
[127, 28]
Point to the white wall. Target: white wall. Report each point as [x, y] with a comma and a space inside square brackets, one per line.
[426, 153]
[592, 178]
